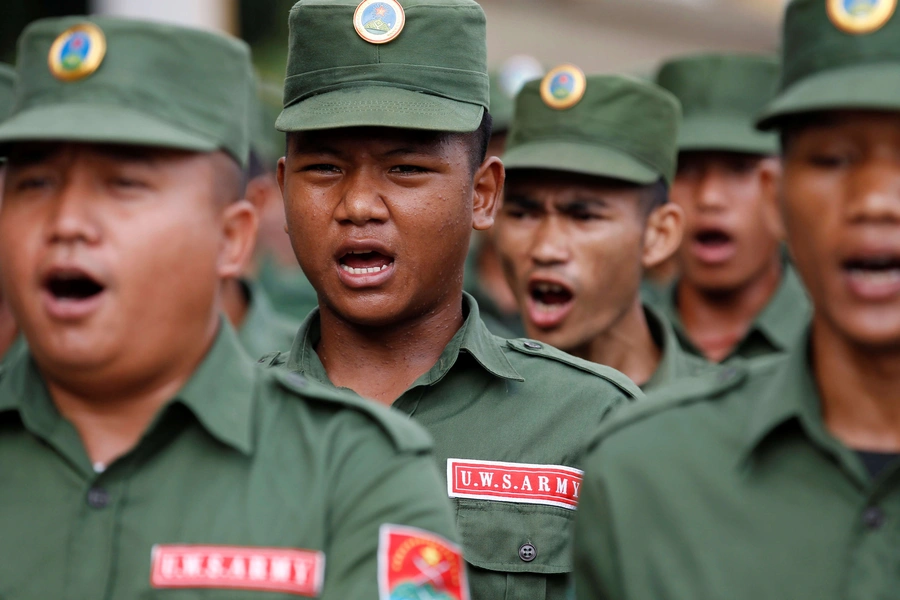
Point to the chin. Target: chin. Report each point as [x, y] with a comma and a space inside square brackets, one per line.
[876, 331]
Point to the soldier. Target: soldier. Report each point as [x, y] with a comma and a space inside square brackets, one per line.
[8, 330]
[737, 296]
[260, 328]
[142, 454]
[384, 179]
[585, 212]
[783, 482]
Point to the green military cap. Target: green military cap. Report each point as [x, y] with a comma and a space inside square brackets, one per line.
[506, 82]
[418, 66]
[107, 80]
[837, 54]
[7, 81]
[720, 96]
[605, 125]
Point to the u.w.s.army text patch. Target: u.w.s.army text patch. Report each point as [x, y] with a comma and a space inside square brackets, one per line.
[553, 485]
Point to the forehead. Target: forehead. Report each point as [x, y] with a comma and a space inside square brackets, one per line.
[371, 138]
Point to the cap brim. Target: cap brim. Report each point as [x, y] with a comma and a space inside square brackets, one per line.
[100, 124]
[586, 159]
[724, 133]
[866, 87]
[380, 106]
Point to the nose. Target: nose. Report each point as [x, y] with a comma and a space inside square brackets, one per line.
[362, 201]
[875, 193]
[711, 193]
[550, 245]
[72, 217]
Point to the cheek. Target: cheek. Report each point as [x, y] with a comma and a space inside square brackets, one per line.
[610, 260]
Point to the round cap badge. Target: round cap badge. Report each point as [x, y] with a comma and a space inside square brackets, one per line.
[563, 87]
[77, 52]
[379, 21]
[860, 16]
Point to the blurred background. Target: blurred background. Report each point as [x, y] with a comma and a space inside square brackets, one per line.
[598, 35]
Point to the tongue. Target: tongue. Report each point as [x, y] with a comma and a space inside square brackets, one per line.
[366, 261]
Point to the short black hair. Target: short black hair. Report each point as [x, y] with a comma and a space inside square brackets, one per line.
[477, 140]
[653, 196]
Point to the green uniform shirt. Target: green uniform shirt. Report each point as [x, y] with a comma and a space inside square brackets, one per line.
[675, 363]
[288, 290]
[732, 487]
[242, 456]
[774, 330]
[515, 402]
[263, 329]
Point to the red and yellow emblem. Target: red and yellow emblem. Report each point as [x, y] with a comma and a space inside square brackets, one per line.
[414, 564]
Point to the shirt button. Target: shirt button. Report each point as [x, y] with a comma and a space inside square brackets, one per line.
[97, 498]
[532, 346]
[527, 553]
[873, 517]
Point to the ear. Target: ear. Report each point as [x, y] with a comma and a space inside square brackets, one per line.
[260, 190]
[662, 235]
[279, 175]
[489, 181]
[239, 226]
[770, 185]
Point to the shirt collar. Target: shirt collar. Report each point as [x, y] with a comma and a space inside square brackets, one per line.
[779, 321]
[673, 359]
[473, 337]
[220, 393]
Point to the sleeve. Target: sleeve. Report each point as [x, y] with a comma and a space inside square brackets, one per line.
[596, 575]
[392, 532]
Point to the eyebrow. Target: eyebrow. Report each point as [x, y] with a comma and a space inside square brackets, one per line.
[523, 201]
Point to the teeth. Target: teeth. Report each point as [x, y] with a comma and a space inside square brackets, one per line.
[877, 276]
[545, 288]
[365, 270]
[360, 251]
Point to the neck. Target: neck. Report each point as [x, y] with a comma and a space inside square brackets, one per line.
[235, 303]
[626, 346]
[8, 329]
[860, 391]
[716, 321]
[112, 412]
[382, 362]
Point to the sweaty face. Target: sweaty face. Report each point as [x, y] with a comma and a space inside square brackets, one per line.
[571, 248]
[841, 202]
[731, 231]
[108, 255]
[379, 219]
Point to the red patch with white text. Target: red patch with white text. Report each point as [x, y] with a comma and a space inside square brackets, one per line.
[553, 485]
[285, 570]
[414, 564]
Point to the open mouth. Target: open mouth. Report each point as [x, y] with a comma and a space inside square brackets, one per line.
[72, 286]
[876, 271]
[713, 245]
[365, 262]
[549, 296]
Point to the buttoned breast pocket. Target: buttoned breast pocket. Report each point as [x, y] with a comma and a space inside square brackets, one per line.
[516, 551]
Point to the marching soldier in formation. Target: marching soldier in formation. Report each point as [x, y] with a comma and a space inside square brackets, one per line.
[737, 296]
[385, 178]
[784, 481]
[589, 161]
[142, 453]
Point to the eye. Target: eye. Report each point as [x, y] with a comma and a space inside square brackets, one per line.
[321, 168]
[25, 184]
[830, 160]
[128, 183]
[408, 170]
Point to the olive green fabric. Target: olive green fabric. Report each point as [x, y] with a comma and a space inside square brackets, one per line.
[720, 96]
[433, 75]
[264, 330]
[623, 128]
[732, 487]
[825, 68]
[242, 456]
[7, 81]
[158, 85]
[675, 363]
[502, 105]
[288, 290]
[773, 330]
[516, 401]
[18, 347]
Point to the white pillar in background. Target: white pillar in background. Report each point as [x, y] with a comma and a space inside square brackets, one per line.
[207, 14]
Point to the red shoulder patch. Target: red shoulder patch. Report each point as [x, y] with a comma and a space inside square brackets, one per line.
[286, 570]
[414, 564]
